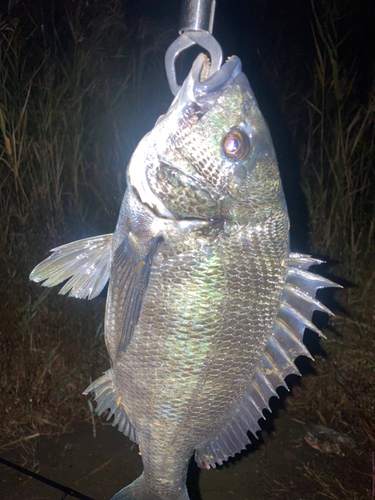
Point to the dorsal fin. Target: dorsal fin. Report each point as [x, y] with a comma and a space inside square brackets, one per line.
[284, 345]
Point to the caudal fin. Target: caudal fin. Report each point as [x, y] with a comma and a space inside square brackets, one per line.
[138, 490]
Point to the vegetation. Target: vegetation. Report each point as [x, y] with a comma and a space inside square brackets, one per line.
[338, 178]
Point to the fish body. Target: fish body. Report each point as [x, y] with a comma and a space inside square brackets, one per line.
[206, 307]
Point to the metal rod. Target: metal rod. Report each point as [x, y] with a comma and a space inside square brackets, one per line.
[38, 477]
[197, 15]
[197, 19]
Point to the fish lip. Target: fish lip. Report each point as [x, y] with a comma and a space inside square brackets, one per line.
[217, 82]
[204, 94]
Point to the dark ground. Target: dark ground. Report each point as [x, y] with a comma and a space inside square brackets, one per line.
[281, 467]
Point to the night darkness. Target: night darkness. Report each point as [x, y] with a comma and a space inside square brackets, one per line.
[82, 81]
[275, 44]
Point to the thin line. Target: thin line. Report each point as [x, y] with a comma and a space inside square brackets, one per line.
[44, 480]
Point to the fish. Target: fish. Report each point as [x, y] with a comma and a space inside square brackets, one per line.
[206, 305]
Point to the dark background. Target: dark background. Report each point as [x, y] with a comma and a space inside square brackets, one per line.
[273, 39]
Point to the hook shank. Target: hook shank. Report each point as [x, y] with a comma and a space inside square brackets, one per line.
[197, 15]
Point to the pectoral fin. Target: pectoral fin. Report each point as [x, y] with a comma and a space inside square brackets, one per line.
[130, 273]
[86, 262]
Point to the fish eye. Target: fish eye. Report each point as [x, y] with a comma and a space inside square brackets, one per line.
[236, 144]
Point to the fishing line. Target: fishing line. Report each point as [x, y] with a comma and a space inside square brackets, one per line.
[38, 477]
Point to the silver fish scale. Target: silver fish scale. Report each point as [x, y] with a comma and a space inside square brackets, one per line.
[190, 143]
[206, 317]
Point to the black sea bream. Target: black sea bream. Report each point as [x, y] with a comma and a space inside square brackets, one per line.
[206, 305]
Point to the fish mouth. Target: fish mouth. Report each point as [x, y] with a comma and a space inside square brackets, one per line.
[203, 89]
[220, 80]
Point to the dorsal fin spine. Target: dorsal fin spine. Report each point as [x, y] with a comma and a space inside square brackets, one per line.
[287, 338]
[258, 398]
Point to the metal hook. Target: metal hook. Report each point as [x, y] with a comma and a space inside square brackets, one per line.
[197, 15]
[183, 42]
[197, 23]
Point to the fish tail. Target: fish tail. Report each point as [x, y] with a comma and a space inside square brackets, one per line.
[139, 490]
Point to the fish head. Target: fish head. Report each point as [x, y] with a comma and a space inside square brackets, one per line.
[212, 154]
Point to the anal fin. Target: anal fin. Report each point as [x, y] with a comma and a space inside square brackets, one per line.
[107, 398]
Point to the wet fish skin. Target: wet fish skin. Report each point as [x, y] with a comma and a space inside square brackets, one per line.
[198, 338]
[206, 306]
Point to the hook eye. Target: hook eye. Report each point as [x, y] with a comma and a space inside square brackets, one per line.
[183, 42]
